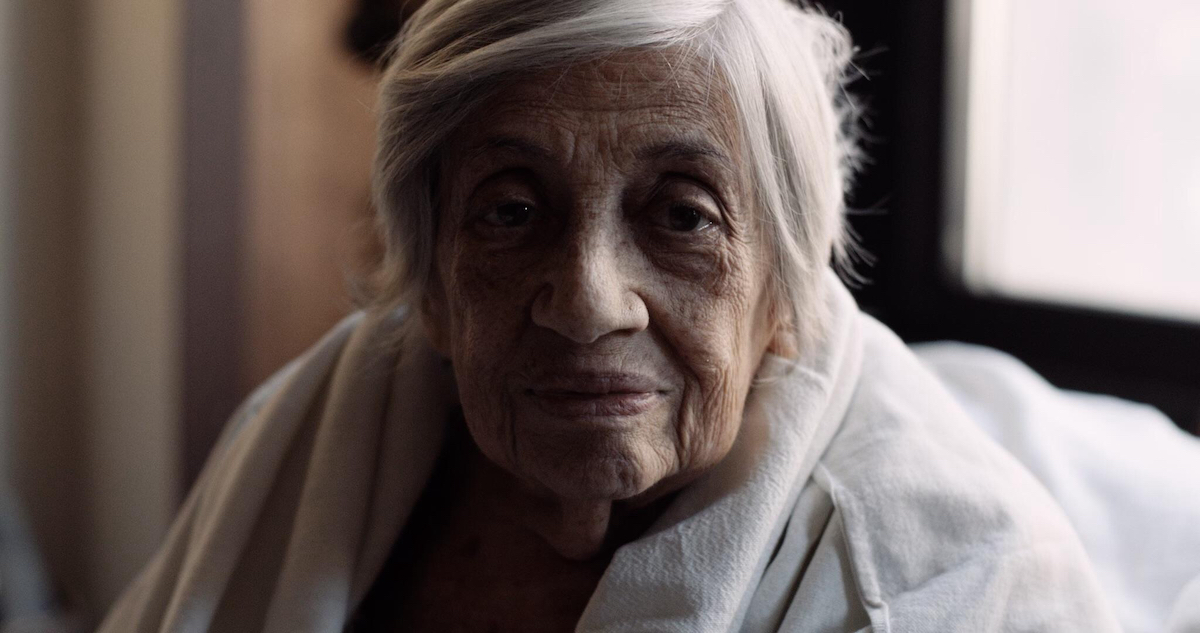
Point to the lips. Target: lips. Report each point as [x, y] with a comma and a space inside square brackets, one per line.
[595, 395]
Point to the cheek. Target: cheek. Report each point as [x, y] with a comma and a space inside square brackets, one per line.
[487, 296]
[485, 320]
[710, 321]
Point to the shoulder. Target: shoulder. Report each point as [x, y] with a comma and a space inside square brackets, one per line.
[941, 524]
[317, 360]
[312, 437]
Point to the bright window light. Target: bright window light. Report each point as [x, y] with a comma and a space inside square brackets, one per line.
[1074, 146]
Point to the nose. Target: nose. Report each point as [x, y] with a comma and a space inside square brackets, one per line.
[589, 293]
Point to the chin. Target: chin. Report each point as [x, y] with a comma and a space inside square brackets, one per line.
[606, 479]
[595, 470]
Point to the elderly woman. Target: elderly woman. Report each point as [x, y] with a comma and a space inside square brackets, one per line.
[611, 383]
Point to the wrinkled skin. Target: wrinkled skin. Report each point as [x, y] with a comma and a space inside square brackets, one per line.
[601, 286]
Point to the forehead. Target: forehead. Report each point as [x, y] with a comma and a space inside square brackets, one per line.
[631, 99]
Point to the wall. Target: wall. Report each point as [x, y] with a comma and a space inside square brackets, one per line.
[310, 140]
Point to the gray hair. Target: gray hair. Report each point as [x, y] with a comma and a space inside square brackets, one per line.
[784, 65]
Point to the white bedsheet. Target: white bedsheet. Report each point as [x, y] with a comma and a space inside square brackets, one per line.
[1128, 479]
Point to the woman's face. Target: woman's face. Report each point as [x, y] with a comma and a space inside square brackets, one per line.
[600, 278]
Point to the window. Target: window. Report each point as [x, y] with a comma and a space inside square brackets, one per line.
[1074, 152]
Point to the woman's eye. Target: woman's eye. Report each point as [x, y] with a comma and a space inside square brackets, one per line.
[510, 215]
[686, 219]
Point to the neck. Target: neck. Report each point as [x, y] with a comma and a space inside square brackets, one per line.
[576, 530]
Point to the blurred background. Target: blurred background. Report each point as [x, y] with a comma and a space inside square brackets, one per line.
[184, 195]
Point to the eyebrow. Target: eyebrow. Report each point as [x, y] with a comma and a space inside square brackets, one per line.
[686, 150]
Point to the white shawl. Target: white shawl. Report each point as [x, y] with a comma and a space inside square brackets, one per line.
[857, 497]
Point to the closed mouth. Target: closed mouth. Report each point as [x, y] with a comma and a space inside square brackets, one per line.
[587, 405]
[585, 395]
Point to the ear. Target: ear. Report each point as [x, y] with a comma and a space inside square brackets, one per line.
[434, 314]
[782, 324]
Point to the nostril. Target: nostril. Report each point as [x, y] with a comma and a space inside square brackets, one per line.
[584, 314]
